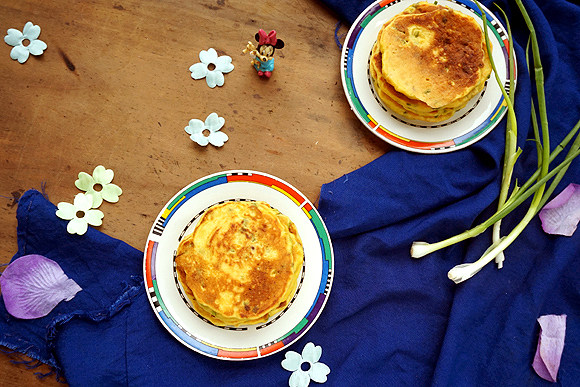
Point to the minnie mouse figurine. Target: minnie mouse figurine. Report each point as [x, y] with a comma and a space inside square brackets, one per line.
[263, 55]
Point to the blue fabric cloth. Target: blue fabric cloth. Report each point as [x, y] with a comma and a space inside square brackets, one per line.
[420, 327]
[389, 320]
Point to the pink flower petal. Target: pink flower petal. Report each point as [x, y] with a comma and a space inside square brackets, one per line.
[562, 214]
[33, 285]
[550, 346]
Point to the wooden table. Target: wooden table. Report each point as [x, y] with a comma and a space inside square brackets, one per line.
[114, 89]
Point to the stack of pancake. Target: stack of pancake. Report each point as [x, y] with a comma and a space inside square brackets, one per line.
[429, 61]
[241, 263]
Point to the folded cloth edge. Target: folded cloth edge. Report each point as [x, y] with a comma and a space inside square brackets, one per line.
[22, 346]
[28, 349]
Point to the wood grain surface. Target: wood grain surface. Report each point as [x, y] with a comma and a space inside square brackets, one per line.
[114, 89]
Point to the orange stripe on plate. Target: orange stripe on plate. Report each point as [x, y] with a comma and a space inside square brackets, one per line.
[272, 348]
[237, 354]
[387, 133]
[411, 143]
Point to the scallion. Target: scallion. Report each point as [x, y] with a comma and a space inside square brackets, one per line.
[535, 185]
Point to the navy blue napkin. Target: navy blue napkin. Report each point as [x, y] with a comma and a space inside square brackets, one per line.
[390, 319]
[426, 329]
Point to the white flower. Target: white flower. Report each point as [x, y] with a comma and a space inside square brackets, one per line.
[101, 180]
[80, 214]
[306, 367]
[212, 67]
[212, 126]
[18, 39]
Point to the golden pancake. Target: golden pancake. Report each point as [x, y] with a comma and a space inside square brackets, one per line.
[221, 320]
[410, 104]
[241, 263]
[399, 109]
[420, 108]
[420, 7]
[437, 57]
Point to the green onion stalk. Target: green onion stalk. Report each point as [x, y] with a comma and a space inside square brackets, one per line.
[465, 271]
[421, 249]
[553, 155]
[535, 186]
[511, 151]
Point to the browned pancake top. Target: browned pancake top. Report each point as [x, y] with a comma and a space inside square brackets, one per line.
[435, 57]
[239, 259]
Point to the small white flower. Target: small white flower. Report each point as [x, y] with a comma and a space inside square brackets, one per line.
[212, 67]
[100, 180]
[29, 35]
[80, 214]
[212, 125]
[306, 367]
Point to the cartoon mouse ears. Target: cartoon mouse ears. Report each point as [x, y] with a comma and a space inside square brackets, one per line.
[269, 38]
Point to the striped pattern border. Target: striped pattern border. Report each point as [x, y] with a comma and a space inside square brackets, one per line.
[289, 337]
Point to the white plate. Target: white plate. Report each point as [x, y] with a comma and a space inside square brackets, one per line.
[171, 305]
[467, 126]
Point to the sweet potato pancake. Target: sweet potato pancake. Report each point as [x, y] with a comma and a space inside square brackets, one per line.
[241, 263]
[429, 61]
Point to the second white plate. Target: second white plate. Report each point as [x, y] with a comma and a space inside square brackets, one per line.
[467, 126]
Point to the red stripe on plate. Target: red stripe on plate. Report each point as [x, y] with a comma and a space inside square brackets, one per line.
[269, 182]
[271, 348]
[238, 354]
[148, 264]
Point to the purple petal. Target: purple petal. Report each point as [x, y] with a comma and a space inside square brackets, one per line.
[33, 285]
[562, 214]
[550, 346]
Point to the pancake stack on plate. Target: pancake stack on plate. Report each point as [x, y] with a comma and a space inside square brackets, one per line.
[241, 263]
[428, 62]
